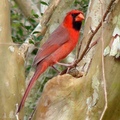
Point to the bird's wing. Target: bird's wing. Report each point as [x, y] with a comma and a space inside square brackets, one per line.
[56, 39]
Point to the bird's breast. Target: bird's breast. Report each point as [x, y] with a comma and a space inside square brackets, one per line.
[74, 35]
[64, 50]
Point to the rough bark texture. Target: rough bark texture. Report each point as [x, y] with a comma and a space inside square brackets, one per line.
[11, 67]
[68, 98]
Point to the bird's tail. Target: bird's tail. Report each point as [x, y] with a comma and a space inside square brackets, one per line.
[40, 69]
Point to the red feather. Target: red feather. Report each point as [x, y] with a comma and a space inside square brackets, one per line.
[56, 39]
[60, 43]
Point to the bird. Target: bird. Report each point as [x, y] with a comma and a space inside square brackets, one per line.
[59, 44]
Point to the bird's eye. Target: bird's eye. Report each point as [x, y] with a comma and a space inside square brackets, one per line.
[74, 15]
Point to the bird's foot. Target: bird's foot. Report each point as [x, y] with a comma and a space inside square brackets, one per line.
[69, 65]
[73, 64]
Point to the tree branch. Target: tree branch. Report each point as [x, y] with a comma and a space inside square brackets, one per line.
[96, 30]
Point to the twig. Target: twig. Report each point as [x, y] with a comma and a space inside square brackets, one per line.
[103, 71]
[80, 44]
[96, 30]
[32, 114]
[88, 67]
[112, 40]
[79, 48]
[92, 45]
[17, 115]
[91, 37]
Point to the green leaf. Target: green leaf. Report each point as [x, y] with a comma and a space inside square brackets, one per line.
[37, 39]
[41, 14]
[34, 52]
[28, 27]
[20, 31]
[31, 41]
[36, 15]
[36, 32]
[40, 38]
[44, 3]
[32, 20]
[32, 12]
[28, 68]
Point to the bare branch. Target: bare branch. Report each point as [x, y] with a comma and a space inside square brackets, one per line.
[96, 30]
[103, 70]
[92, 34]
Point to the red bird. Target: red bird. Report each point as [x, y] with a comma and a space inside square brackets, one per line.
[60, 43]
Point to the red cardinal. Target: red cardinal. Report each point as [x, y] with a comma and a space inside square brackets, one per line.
[60, 43]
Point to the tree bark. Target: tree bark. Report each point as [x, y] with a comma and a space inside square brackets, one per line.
[11, 67]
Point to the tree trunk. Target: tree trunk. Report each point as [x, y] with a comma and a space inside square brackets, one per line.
[11, 67]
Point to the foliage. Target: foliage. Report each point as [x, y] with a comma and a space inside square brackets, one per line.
[82, 4]
[44, 3]
[21, 26]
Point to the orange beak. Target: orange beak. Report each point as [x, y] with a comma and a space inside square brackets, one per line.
[80, 17]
